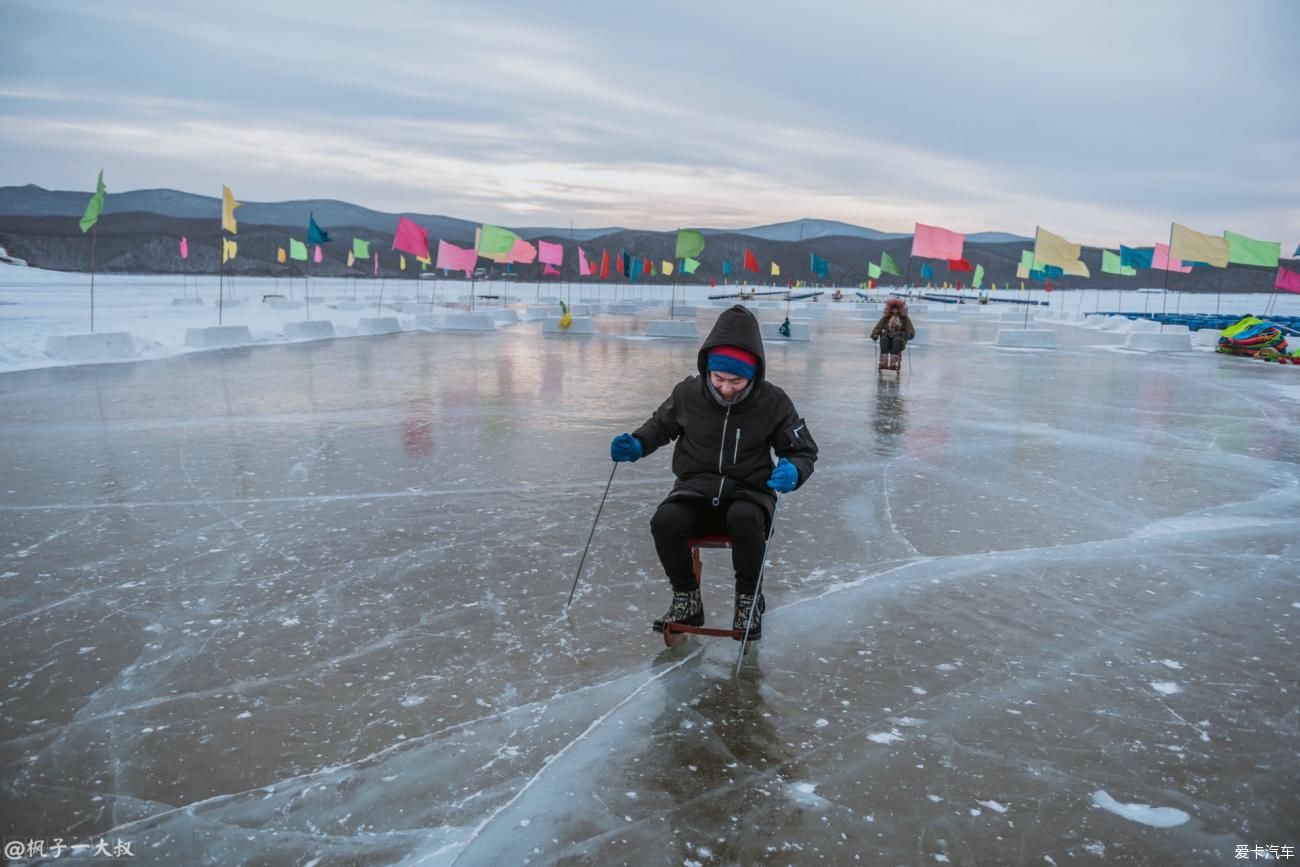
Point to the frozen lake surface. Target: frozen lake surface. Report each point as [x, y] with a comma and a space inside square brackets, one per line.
[304, 604]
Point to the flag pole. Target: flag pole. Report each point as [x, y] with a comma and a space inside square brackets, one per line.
[307, 282]
[221, 277]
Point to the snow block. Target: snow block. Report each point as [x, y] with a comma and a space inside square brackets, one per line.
[218, 335]
[351, 305]
[1206, 337]
[1159, 341]
[623, 309]
[227, 303]
[509, 316]
[101, 346]
[672, 328]
[186, 302]
[1138, 326]
[378, 325]
[1026, 338]
[799, 333]
[428, 321]
[813, 313]
[309, 329]
[285, 304]
[579, 326]
[581, 309]
[469, 322]
[542, 311]
[548, 299]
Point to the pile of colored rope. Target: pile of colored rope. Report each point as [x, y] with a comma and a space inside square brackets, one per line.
[1249, 335]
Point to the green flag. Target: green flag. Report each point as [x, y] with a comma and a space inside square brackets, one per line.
[1127, 271]
[495, 241]
[887, 265]
[1248, 251]
[360, 248]
[689, 265]
[1110, 263]
[94, 206]
[297, 250]
[873, 271]
[689, 243]
[978, 279]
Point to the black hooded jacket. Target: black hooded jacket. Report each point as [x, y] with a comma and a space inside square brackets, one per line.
[724, 452]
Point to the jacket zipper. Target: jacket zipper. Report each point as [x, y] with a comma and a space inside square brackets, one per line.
[735, 455]
[722, 451]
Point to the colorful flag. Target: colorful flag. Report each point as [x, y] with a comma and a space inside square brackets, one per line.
[228, 205]
[1127, 271]
[927, 273]
[689, 265]
[604, 264]
[352, 259]
[1189, 245]
[319, 257]
[646, 266]
[978, 279]
[360, 248]
[751, 262]
[95, 205]
[549, 270]
[776, 270]
[873, 271]
[185, 248]
[523, 252]
[376, 263]
[1136, 257]
[1248, 251]
[667, 268]
[818, 265]
[1048, 287]
[401, 261]
[297, 250]
[1160, 261]
[1287, 280]
[959, 265]
[689, 244]
[726, 267]
[229, 250]
[932, 242]
[495, 241]
[625, 264]
[550, 254]
[280, 255]
[584, 267]
[1026, 264]
[1110, 262]
[887, 265]
[1052, 249]
[315, 234]
[411, 237]
[453, 258]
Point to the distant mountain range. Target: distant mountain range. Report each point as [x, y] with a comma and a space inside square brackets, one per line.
[33, 201]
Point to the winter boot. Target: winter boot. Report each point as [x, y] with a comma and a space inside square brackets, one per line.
[895, 362]
[687, 609]
[884, 361]
[744, 602]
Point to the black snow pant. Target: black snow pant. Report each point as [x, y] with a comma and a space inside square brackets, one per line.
[892, 344]
[676, 521]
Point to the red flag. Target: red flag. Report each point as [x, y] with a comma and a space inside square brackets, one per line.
[1048, 287]
[712, 283]
[1287, 281]
[411, 238]
[789, 284]
[958, 284]
[645, 266]
[959, 265]
[871, 284]
[604, 265]
[751, 264]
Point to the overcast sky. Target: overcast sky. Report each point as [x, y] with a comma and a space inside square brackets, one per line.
[1100, 121]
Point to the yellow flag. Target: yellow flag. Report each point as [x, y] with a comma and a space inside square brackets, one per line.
[403, 258]
[776, 270]
[1022, 271]
[352, 260]
[424, 260]
[228, 205]
[667, 268]
[229, 249]
[1191, 246]
[1051, 249]
[280, 255]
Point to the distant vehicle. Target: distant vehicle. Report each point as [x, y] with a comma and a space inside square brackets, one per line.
[480, 273]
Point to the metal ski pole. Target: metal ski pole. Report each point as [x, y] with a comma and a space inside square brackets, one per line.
[758, 589]
[592, 534]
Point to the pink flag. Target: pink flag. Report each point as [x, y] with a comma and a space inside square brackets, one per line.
[550, 270]
[584, 267]
[550, 254]
[376, 264]
[522, 251]
[453, 258]
[1288, 281]
[185, 248]
[931, 242]
[1160, 261]
[411, 238]
[319, 257]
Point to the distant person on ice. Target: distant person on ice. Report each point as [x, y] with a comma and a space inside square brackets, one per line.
[727, 423]
[893, 330]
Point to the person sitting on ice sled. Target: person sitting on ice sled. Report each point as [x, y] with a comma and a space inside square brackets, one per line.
[895, 329]
[727, 423]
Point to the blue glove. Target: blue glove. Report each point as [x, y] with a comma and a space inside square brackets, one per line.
[625, 447]
[784, 477]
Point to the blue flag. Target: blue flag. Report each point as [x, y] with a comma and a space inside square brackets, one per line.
[726, 267]
[1037, 275]
[819, 266]
[1136, 257]
[1053, 271]
[315, 234]
[927, 273]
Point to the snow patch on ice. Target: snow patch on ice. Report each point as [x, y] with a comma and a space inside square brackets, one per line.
[1166, 687]
[1170, 663]
[1145, 814]
[994, 806]
[885, 737]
